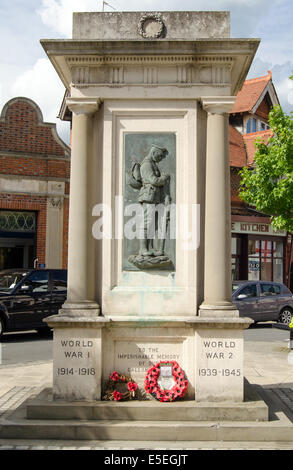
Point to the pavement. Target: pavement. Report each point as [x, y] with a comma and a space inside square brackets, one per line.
[268, 365]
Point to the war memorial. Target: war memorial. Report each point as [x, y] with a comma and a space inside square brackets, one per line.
[148, 345]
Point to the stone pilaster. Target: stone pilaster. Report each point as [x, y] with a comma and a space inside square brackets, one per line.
[217, 282]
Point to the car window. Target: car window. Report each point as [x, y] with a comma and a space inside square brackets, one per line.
[9, 280]
[269, 289]
[249, 291]
[235, 287]
[59, 280]
[285, 290]
[38, 281]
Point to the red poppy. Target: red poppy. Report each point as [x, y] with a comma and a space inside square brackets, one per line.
[115, 376]
[117, 395]
[132, 386]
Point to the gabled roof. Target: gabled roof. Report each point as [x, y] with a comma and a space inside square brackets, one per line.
[253, 92]
[249, 142]
[242, 146]
[237, 149]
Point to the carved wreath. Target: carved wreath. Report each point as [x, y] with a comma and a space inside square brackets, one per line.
[147, 17]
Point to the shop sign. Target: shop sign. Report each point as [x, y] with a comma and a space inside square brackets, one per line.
[256, 229]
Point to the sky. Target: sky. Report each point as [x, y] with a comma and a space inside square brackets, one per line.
[25, 69]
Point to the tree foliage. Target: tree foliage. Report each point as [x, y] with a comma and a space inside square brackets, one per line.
[269, 184]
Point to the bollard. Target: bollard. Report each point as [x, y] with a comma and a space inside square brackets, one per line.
[290, 355]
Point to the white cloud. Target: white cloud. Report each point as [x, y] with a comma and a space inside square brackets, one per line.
[257, 18]
[57, 14]
[281, 81]
[245, 14]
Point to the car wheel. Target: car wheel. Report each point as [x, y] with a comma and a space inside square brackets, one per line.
[285, 316]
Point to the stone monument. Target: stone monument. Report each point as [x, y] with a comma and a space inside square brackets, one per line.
[149, 95]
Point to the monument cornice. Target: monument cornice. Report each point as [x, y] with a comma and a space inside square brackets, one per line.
[236, 54]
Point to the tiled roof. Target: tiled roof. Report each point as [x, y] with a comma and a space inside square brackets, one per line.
[249, 142]
[251, 91]
[244, 210]
[236, 148]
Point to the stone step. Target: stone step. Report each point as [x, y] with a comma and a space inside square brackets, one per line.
[146, 430]
[43, 407]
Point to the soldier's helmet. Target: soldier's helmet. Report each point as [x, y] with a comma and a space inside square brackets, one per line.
[155, 149]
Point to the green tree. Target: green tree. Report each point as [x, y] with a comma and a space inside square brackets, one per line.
[268, 185]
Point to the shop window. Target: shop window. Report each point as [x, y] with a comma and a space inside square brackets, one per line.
[236, 254]
[253, 260]
[278, 261]
[265, 260]
[13, 221]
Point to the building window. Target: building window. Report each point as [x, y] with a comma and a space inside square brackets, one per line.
[265, 260]
[236, 257]
[253, 125]
[13, 221]
[248, 126]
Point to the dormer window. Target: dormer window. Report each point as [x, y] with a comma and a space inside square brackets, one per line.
[248, 126]
[255, 125]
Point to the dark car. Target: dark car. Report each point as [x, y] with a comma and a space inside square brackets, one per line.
[27, 296]
[263, 301]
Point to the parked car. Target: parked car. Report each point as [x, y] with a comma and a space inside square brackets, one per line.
[263, 301]
[27, 296]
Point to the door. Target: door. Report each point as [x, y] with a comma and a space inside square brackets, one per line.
[247, 301]
[268, 304]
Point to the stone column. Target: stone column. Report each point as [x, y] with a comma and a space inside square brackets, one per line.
[77, 346]
[218, 289]
[78, 295]
[219, 344]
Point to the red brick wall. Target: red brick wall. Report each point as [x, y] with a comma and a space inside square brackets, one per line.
[29, 147]
[23, 130]
[10, 165]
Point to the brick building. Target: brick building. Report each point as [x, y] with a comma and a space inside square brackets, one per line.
[258, 252]
[34, 188]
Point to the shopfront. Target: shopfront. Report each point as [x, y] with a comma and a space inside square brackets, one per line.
[258, 251]
[17, 239]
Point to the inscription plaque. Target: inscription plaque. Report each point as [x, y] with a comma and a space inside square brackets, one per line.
[136, 358]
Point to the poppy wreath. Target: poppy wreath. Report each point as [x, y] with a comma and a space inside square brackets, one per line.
[113, 394]
[177, 391]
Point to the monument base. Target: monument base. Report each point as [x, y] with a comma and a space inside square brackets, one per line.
[44, 406]
[88, 349]
[43, 417]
